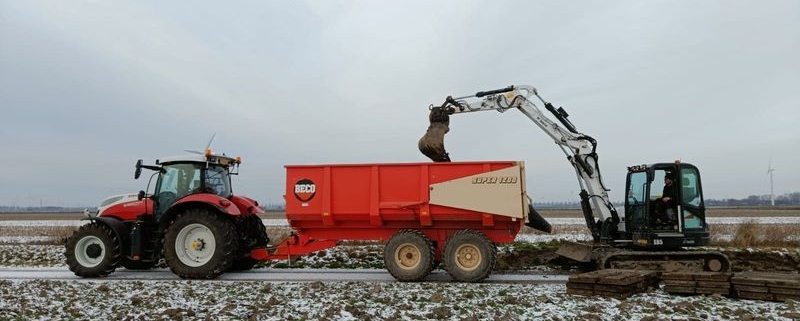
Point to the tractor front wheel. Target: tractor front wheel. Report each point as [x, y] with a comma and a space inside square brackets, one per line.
[93, 251]
[200, 244]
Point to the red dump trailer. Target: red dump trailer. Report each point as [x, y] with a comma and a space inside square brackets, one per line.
[427, 213]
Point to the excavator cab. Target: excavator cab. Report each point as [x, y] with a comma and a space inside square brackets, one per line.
[664, 206]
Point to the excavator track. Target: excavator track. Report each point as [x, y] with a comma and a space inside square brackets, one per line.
[665, 261]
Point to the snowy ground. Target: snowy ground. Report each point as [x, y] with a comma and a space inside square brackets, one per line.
[106, 299]
[249, 300]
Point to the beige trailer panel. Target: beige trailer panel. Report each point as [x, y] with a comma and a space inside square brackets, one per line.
[500, 192]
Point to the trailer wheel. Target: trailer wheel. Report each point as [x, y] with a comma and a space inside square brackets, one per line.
[409, 255]
[200, 244]
[469, 256]
[93, 251]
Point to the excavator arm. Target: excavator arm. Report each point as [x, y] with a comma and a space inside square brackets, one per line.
[579, 148]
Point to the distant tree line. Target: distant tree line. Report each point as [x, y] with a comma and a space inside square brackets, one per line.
[757, 200]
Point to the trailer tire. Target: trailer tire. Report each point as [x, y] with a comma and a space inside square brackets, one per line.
[409, 255]
[200, 244]
[469, 256]
[93, 251]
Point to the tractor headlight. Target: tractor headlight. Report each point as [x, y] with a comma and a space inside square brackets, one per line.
[89, 214]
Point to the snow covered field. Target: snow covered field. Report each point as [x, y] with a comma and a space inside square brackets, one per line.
[174, 299]
[565, 228]
[254, 300]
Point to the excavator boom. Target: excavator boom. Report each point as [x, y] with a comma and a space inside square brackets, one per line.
[601, 216]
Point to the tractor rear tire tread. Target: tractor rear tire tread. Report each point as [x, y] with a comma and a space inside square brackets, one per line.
[226, 244]
[252, 235]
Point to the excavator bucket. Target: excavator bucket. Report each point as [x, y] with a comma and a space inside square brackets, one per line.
[577, 251]
[536, 221]
[432, 143]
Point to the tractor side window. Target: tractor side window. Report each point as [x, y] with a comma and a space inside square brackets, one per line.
[218, 181]
[175, 182]
[169, 181]
[185, 177]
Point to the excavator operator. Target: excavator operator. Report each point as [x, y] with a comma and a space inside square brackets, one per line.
[667, 207]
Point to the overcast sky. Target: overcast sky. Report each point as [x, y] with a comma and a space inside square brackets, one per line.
[89, 87]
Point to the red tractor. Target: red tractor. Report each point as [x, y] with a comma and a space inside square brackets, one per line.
[192, 219]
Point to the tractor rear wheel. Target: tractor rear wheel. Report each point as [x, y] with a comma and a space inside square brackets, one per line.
[469, 256]
[409, 255]
[200, 244]
[93, 251]
[252, 235]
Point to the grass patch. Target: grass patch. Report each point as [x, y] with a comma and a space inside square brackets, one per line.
[55, 235]
[753, 234]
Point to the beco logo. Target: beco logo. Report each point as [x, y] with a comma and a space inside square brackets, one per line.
[304, 190]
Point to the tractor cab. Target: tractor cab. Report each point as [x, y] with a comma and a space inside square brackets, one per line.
[664, 206]
[182, 176]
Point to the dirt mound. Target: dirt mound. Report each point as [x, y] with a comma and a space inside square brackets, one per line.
[763, 260]
[525, 256]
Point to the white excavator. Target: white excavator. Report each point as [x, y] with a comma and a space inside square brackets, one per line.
[659, 225]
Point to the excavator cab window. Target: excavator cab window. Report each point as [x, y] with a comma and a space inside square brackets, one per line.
[636, 201]
[664, 199]
[692, 209]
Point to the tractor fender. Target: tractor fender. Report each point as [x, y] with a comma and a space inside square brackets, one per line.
[214, 204]
[122, 232]
[246, 205]
[222, 204]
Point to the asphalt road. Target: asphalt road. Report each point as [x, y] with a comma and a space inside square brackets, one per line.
[271, 275]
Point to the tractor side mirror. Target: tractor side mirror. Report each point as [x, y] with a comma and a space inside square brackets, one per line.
[141, 195]
[138, 171]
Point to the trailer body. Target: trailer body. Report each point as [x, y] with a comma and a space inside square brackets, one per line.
[326, 204]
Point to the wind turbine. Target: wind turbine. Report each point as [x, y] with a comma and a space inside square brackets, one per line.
[771, 186]
[207, 146]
